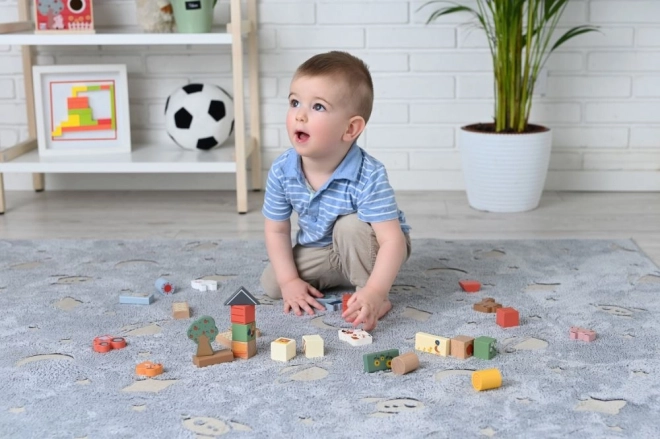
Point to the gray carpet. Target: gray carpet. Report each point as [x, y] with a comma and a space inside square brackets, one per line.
[56, 296]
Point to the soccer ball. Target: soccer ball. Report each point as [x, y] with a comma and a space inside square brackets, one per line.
[199, 116]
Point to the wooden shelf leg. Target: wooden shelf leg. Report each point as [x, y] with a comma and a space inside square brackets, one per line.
[38, 182]
[239, 107]
[2, 195]
[255, 107]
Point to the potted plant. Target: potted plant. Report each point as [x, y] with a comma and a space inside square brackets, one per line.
[505, 162]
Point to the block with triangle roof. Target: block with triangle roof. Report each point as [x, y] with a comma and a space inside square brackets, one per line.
[243, 323]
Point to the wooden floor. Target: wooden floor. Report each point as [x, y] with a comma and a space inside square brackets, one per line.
[212, 215]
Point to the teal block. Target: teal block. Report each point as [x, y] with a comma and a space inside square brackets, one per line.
[484, 348]
[243, 333]
[381, 360]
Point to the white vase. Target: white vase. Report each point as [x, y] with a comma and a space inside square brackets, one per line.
[505, 172]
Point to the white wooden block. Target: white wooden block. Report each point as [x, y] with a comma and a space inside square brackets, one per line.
[313, 346]
[355, 337]
[204, 285]
[282, 349]
[432, 344]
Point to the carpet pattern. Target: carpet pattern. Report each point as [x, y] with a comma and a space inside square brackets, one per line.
[57, 295]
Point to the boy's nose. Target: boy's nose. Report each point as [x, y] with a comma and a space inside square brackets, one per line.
[301, 116]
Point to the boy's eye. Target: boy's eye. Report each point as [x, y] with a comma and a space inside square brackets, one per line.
[294, 103]
[318, 107]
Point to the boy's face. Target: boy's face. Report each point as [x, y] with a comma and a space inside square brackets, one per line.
[318, 116]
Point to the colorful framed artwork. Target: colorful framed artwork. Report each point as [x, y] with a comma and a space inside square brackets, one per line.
[63, 16]
[82, 109]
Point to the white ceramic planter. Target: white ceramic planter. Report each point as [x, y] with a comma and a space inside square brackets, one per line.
[504, 172]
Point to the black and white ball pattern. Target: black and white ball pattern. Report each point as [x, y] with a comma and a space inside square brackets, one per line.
[199, 116]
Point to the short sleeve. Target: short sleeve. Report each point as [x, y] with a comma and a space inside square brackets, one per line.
[376, 202]
[276, 207]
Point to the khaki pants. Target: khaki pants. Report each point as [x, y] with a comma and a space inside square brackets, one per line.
[347, 262]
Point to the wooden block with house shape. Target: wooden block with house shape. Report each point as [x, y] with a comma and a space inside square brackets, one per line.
[313, 346]
[381, 360]
[244, 350]
[462, 346]
[432, 344]
[507, 317]
[484, 348]
[283, 349]
[180, 310]
[243, 328]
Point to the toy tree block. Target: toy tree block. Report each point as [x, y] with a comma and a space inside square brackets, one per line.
[486, 379]
[470, 286]
[243, 314]
[163, 286]
[243, 349]
[487, 305]
[405, 363]
[136, 298]
[432, 344]
[577, 333]
[484, 348]
[149, 369]
[180, 310]
[381, 360]
[313, 346]
[282, 349]
[507, 317]
[462, 346]
[202, 331]
[355, 337]
[223, 356]
[243, 332]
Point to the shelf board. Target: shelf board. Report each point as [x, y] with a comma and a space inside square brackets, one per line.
[144, 158]
[116, 36]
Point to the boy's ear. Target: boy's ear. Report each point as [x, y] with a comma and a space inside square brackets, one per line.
[355, 127]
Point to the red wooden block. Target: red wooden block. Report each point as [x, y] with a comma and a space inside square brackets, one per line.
[507, 317]
[242, 314]
[470, 286]
[344, 302]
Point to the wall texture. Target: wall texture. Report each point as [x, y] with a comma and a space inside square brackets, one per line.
[600, 93]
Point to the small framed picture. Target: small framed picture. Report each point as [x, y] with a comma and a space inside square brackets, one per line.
[82, 109]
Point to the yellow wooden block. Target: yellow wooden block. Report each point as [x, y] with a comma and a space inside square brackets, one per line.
[57, 132]
[78, 89]
[283, 349]
[432, 344]
[313, 346]
[72, 121]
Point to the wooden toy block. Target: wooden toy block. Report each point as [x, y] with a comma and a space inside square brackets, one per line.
[484, 348]
[577, 333]
[507, 317]
[381, 360]
[470, 286]
[242, 297]
[462, 346]
[204, 285]
[68, 17]
[180, 310]
[486, 379]
[163, 286]
[344, 301]
[243, 332]
[355, 337]
[432, 344]
[224, 338]
[136, 298]
[202, 331]
[106, 343]
[283, 349]
[243, 314]
[312, 346]
[405, 363]
[149, 369]
[244, 349]
[487, 305]
[223, 356]
[331, 303]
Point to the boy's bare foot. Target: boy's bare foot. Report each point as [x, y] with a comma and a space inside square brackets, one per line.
[384, 308]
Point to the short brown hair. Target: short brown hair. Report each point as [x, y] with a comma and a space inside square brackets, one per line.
[352, 70]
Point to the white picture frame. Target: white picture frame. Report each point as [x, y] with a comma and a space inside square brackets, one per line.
[82, 109]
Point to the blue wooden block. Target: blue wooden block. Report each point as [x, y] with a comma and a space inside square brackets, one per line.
[163, 286]
[331, 303]
[136, 298]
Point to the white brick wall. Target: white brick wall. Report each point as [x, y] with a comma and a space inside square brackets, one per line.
[601, 95]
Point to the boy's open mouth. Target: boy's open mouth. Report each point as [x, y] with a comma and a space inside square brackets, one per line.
[301, 136]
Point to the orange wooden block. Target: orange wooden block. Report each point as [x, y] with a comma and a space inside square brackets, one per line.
[344, 302]
[244, 349]
[77, 103]
[243, 314]
[470, 286]
[507, 317]
[149, 369]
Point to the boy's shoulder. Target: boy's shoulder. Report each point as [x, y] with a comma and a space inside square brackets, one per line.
[284, 158]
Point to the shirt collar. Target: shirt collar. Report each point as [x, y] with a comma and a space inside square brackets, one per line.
[348, 169]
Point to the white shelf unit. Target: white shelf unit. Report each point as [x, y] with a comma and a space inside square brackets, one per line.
[146, 158]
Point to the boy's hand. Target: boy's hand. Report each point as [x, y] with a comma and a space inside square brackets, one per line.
[365, 307]
[298, 296]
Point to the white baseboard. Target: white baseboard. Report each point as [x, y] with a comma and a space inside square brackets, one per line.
[610, 181]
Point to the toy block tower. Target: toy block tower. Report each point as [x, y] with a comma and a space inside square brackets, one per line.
[243, 324]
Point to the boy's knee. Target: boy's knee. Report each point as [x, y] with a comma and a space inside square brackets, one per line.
[269, 283]
[348, 225]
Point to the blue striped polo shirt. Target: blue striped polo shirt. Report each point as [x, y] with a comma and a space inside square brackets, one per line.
[359, 184]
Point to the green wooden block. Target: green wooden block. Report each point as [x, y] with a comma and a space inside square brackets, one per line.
[381, 360]
[484, 348]
[243, 332]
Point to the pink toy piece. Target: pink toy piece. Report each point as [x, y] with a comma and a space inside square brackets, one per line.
[577, 333]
